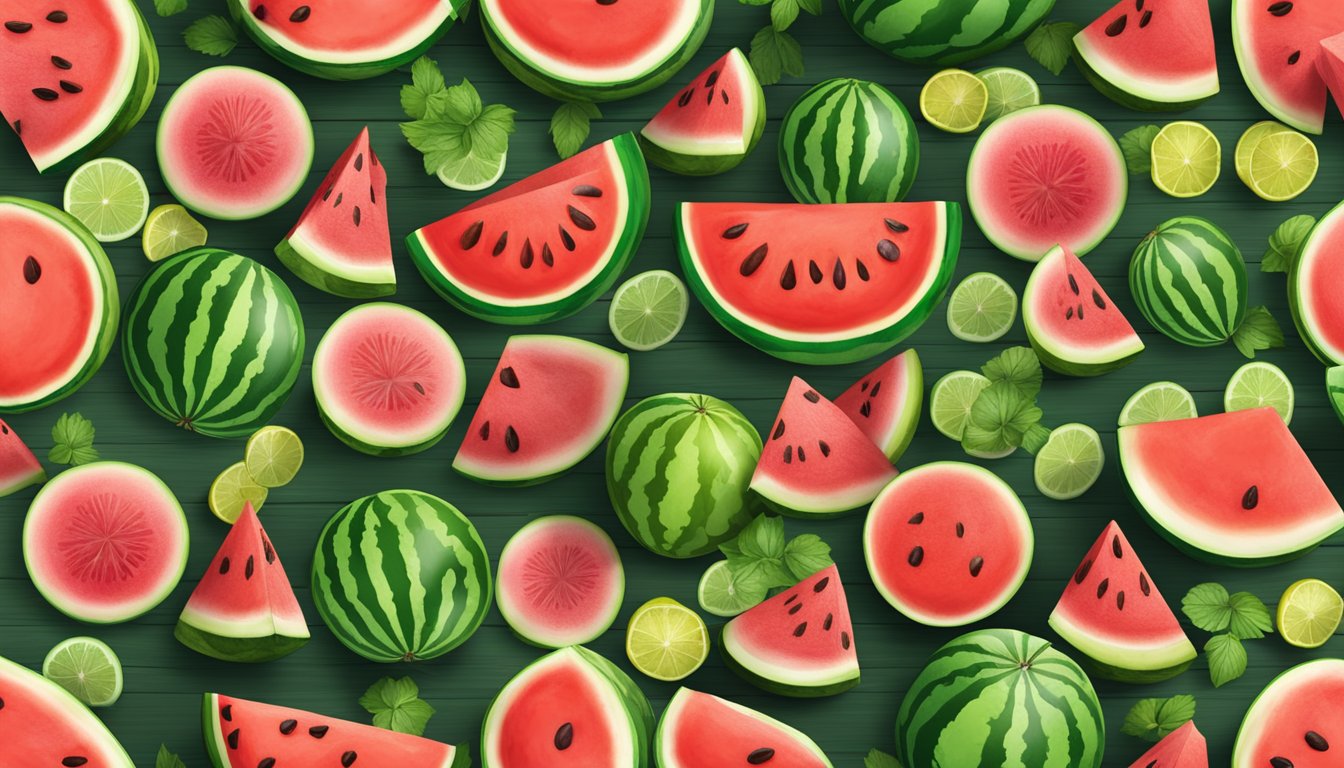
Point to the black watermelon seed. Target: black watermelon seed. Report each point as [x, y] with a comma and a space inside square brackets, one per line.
[1294, 57]
[977, 563]
[916, 518]
[1101, 588]
[686, 97]
[233, 738]
[1280, 762]
[268, 550]
[259, 12]
[547, 256]
[723, 95]
[340, 197]
[60, 63]
[828, 621]
[373, 195]
[251, 566]
[713, 78]
[58, 17]
[606, 2]
[348, 759]
[1068, 313]
[876, 388]
[46, 94]
[1145, 18]
[501, 244]
[527, 254]
[1096, 299]
[485, 431]
[709, 97]
[266, 762]
[1317, 742]
[581, 220]
[838, 275]
[1144, 586]
[32, 270]
[1281, 8]
[753, 261]
[791, 598]
[961, 530]
[419, 387]
[318, 731]
[566, 239]
[789, 279]
[779, 430]
[888, 250]
[734, 232]
[18, 127]
[760, 756]
[1151, 764]
[1138, 5]
[825, 448]
[1120, 600]
[1116, 27]
[327, 194]
[866, 409]
[1081, 574]
[801, 455]
[800, 629]
[1115, 546]
[587, 190]
[74, 761]
[359, 162]
[861, 269]
[472, 236]
[1073, 285]
[18, 27]
[287, 726]
[821, 585]
[813, 271]
[844, 640]
[1080, 311]
[224, 566]
[300, 14]
[896, 226]
[916, 556]
[788, 454]
[357, 216]
[227, 713]
[564, 736]
[795, 609]
[811, 396]
[1251, 499]
[511, 439]
[508, 377]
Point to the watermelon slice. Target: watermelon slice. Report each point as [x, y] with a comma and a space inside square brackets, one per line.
[1112, 612]
[341, 242]
[1313, 295]
[799, 642]
[1334, 389]
[712, 124]
[1071, 322]
[1184, 747]
[56, 288]
[244, 608]
[1330, 66]
[545, 247]
[46, 726]
[948, 543]
[550, 403]
[700, 730]
[1277, 44]
[350, 41]
[816, 461]
[1296, 722]
[1232, 488]
[1152, 55]
[887, 402]
[74, 78]
[247, 734]
[820, 284]
[19, 468]
[569, 709]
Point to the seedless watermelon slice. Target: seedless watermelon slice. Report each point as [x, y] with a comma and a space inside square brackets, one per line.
[1277, 45]
[19, 468]
[1330, 66]
[1184, 747]
[886, 403]
[1071, 321]
[1155, 55]
[47, 726]
[699, 730]
[1313, 289]
[1293, 718]
[712, 124]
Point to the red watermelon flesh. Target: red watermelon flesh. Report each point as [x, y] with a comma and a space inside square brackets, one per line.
[1184, 747]
[45, 726]
[715, 114]
[19, 468]
[550, 403]
[1071, 321]
[886, 403]
[1277, 46]
[352, 32]
[1158, 53]
[700, 730]
[246, 734]
[1330, 65]
[1313, 290]
[948, 543]
[1296, 722]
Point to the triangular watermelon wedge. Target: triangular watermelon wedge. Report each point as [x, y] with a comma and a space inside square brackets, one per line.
[1151, 55]
[700, 730]
[19, 468]
[1330, 66]
[1071, 322]
[1113, 613]
[1277, 44]
[43, 725]
[710, 125]
[244, 608]
[1184, 747]
[886, 403]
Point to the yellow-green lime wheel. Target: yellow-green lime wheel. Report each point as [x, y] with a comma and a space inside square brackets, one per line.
[954, 100]
[648, 310]
[666, 640]
[1007, 90]
[1257, 385]
[1159, 401]
[109, 197]
[170, 230]
[982, 308]
[233, 488]
[88, 669]
[1070, 462]
[1282, 165]
[1309, 613]
[273, 456]
[1186, 159]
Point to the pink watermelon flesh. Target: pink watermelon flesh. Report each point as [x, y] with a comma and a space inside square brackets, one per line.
[1112, 611]
[715, 114]
[45, 726]
[560, 581]
[244, 608]
[948, 543]
[1184, 747]
[1159, 53]
[341, 242]
[816, 461]
[1231, 486]
[105, 542]
[1313, 289]
[886, 403]
[246, 734]
[1330, 66]
[1072, 322]
[19, 468]
[799, 642]
[1277, 46]
[356, 31]
[700, 730]
[1296, 721]
[549, 404]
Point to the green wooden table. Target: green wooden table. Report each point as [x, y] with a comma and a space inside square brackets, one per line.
[164, 680]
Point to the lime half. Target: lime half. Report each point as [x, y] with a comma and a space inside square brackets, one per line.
[1260, 384]
[87, 668]
[951, 400]
[982, 308]
[954, 100]
[648, 310]
[1282, 165]
[231, 490]
[274, 456]
[1007, 90]
[169, 230]
[1309, 613]
[720, 594]
[110, 197]
[1070, 462]
[1187, 159]
[472, 173]
[1159, 401]
[1247, 142]
[666, 640]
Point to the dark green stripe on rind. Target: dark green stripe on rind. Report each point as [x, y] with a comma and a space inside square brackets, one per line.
[1189, 281]
[942, 32]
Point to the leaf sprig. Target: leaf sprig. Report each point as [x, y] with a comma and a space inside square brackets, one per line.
[761, 558]
[774, 52]
[396, 705]
[1232, 618]
[72, 438]
[1153, 719]
[450, 124]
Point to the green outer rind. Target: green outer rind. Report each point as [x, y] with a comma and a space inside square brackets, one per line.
[1055, 359]
[34, 478]
[636, 175]
[664, 757]
[834, 352]
[1313, 124]
[1334, 389]
[689, 164]
[1117, 93]
[371, 449]
[1156, 294]
[570, 90]
[1296, 300]
[237, 649]
[949, 54]
[781, 687]
[1310, 669]
[307, 265]
[1108, 660]
[106, 329]
[911, 410]
[92, 727]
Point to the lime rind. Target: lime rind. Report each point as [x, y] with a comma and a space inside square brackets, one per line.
[233, 488]
[1186, 159]
[648, 310]
[109, 196]
[1159, 401]
[954, 100]
[719, 594]
[1282, 165]
[1309, 613]
[1007, 90]
[1257, 385]
[472, 172]
[1070, 462]
[274, 456]
[666, 640]
[171, 229]
[982, 308]
[87, 668]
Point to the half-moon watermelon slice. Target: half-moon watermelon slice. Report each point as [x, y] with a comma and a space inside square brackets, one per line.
[1112, 612]
[1313, 289]
[247, 734]
[19, 468]
[712, 124]
[1155, 55]
[1232, 488]
[1296, 721]
[886, 403]
[44, 725]
[1071, 322]
[819, 284]
[700, 730]
[544, 247]
[1184, 747]
[1277, 44]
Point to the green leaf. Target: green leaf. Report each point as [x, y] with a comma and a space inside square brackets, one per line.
[1227, 659]
[1137, 146]
[1250, 617]
[1286, 243]
[1018, 366]
[166, 759]
[806, 554]
[775, 54]
[878, 759]
[169, 7]
[396, 705]
[1208, 606]
[426, 82]
[1153, 719]
[755, 2]
[999, 419]
[812, 7]
[758, 552]
[1051, 44]
[457, 126]
[783, 13]
[72, 438]
[1258, 331]
[570, 125]
[211, 35]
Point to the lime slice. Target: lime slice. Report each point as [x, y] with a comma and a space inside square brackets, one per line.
[1282, 165]
[1186, 159]
[648, 310]
[87, 668]
[719, 593]
[1248, 141]
[1070, 462]
[274, 456]
[982, 308]
[110, 197]
[1008, 90]
[951, 400]
[666, 640]
[1309, 613]
[169, 230]
[231, 490]
[1260, 384]
[954, 100]
[1159, 401]
[472, 173]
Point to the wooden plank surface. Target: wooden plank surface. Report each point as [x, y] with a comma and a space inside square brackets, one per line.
[164, 680]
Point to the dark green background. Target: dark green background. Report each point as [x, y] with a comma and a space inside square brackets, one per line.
[164, 680]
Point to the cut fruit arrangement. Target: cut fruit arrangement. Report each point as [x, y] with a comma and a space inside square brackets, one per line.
[1155, 55]
[712, 124]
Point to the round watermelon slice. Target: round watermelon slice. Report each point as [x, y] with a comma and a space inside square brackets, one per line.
[819, 284]
[74, 78]
[1296, 721]
[105, 542]
[545, 247]
[1156, 55]
[49, 727]
[1318, 311]
[1184, 747]
[354, 40]
[58, 305]
[887, 402]
[712, 124]
[699, 730]
[1277, 45]
[1071, 322]
[388, 380]
[19, 468]
[601, 50]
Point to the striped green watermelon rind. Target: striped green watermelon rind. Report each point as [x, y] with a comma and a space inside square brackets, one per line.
[699, 730]
[401, 576]
[943, 33]
[1157, 58]
[1312, 284]
[213, 342]
[1334, 389]
[848, 141]
[1299, 700]
[690, 154]
[1189, 280]
[1001, 697]
[47, 726]
[677, 468]
[1062, 295]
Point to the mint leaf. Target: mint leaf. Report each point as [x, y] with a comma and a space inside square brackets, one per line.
[774, 54]
[457, 126]
[211, 35]
[72, 438]
[1153, 719]
[1051, 44]
[806, 554]
[1258, 331]
[426, 82]
[570, 125]
[396, 705]
[1137, 146]
[1250, 617]
[879, 759]
[1018, 366]
[1208, 606]
[758, 552]
[1227, 659]
[1286, 243]
[784, 12]
[999, 419]
[166, 759]
[169, 7]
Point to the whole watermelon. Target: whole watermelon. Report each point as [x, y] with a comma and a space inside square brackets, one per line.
[213, 341]
[848, 141]
[942, 32]
[999, 698]
[1189, 281]
[678, 466]
[401, 576]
